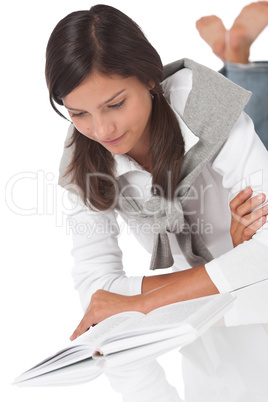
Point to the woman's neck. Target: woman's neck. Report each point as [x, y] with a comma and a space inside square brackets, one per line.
[140, 152]
[141, 155]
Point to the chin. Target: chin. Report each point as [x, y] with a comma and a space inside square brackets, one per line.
[119, 150]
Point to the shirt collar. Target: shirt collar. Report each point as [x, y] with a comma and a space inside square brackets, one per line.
[125, 164]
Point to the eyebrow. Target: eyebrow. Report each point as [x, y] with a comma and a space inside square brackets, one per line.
[102, 104]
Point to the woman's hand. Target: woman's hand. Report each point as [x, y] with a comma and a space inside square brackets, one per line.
[104, 304]
[244, 222]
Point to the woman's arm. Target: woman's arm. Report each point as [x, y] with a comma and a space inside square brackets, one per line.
[189, 284]
[154, 282]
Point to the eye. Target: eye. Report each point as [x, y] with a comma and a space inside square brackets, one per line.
[77, 114]
[117, 105]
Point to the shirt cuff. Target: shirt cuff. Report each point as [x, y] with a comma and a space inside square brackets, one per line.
[128, 286]
[218, 277]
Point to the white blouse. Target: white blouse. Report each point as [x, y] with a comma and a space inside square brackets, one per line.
[242, 161]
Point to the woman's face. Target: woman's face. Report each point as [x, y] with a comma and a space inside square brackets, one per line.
[113, 111]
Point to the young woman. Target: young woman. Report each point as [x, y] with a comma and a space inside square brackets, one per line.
[166, 149]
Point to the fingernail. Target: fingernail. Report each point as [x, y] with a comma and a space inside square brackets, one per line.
[260, 197]
[265, 208]
[247, 189]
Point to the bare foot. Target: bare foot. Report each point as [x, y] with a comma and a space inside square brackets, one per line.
[246, 28]
[212, 30]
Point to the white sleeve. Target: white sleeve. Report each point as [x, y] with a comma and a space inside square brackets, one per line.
[97, 256]
[243, 161]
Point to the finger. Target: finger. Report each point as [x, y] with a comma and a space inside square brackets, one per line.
[84, 325]
[242, 215]
[251, 230]
[79, 331]
[240, 198]
[250, 205]
[247, 220]
[265, 210]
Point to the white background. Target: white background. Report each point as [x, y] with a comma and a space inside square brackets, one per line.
[39, 307]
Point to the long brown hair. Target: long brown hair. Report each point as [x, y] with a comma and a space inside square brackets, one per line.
[107, 41]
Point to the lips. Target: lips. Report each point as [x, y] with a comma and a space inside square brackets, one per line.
[112, 142]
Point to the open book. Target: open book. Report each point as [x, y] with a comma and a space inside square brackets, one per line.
[127, 337]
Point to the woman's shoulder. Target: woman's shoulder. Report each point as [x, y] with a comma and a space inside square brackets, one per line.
[192, 74]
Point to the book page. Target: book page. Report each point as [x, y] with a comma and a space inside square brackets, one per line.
[62, 354]
[175, 313]
[83, 347]
[76, 373]
[55, 364]
[148, 351]
[175, 320]
[107, 328]
[168, 316]
[155, 326]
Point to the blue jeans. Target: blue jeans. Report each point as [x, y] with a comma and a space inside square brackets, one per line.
[254, 77]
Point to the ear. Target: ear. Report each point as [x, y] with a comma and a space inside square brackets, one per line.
[151, 84]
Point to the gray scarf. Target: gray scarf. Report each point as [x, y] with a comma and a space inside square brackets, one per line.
[212, 108]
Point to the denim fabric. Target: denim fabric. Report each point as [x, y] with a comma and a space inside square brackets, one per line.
[254, 77]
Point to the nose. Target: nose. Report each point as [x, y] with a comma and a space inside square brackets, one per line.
[103, 128]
